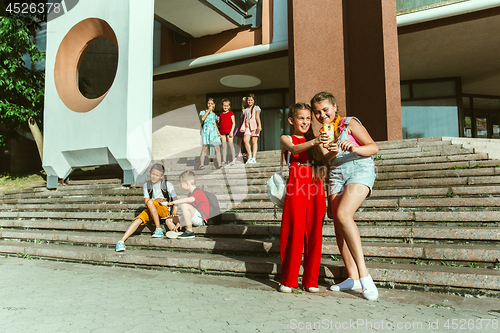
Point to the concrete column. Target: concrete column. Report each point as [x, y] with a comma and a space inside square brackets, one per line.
[316, 50]
[372, 66]
[350, 48]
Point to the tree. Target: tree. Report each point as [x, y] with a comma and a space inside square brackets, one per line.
[21, 86]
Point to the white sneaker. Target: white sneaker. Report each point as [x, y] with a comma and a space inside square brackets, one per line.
[313, 289]
[347, 284]
[249, 161]
[370, 291]
[285, 289]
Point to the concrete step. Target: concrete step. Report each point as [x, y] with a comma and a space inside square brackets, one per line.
[439, 252]
[412, 156]
[432, 159]
[441, 165]
[71, 186]
[447, 169]
[264, 213]
[270, 158]
[77, 199]
[435, 147]
[408, 143]
[438, 182]
[472, 172]
[128, 199]
[441, 174]
[434, 276]
[377, 195]
[398, 234]
[393, 153]
[389, 217]
[417, 192]
[382, 204]
[434, 206]
[101, 216]
[72, 207]
[257, 185]
[423, 142]
[445, 151]
[120, 191]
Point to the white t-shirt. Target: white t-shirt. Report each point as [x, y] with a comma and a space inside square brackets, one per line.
[157, 193]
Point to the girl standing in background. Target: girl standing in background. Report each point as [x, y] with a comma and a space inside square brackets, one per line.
[251, 128]
[210, 133]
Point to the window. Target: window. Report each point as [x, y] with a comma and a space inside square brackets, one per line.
[430, 108]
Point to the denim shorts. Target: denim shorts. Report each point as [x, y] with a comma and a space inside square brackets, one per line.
[357, 171]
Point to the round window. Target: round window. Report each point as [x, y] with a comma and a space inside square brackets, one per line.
[97, 68]
[86, 64]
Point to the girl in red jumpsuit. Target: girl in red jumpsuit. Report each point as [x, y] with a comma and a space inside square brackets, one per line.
[305, 207]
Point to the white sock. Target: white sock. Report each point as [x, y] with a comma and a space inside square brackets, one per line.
[347, 284]
[370, 291]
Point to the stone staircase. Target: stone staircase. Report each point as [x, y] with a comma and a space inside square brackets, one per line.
[432, 222]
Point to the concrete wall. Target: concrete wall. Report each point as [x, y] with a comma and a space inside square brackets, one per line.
[164, 104]
[490, 146]
[176, 126]
[116, 127]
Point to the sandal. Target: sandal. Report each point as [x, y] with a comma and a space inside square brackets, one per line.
[202, 167]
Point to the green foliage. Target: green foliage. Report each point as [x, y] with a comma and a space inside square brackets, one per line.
[21, 86]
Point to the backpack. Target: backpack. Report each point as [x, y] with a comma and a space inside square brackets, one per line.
[215, 215]
[164, 191]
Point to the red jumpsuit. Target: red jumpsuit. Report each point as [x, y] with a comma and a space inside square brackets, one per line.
[302, 223]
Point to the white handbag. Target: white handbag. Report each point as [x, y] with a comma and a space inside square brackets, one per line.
[276, 186]
[276, 189]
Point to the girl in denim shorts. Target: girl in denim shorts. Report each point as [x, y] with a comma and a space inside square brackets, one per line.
[350, 180]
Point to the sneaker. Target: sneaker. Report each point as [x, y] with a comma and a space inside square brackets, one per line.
[186, 234]
[347, 284]
[284, 289]
[312, 289]
[370, 291]
[158, 233]
[173, 234]
[254, 161]
[249, 161]
[120, 246]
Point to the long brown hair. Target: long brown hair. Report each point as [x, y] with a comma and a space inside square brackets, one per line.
[326, 96]
[254, 103]
[314, 153]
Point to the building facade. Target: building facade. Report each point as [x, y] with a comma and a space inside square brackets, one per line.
[405, 68]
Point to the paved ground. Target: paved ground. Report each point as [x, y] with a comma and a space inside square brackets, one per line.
[49, 296]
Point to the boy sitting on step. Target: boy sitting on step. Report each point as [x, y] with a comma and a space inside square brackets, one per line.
[157, 193]
[195, 208]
